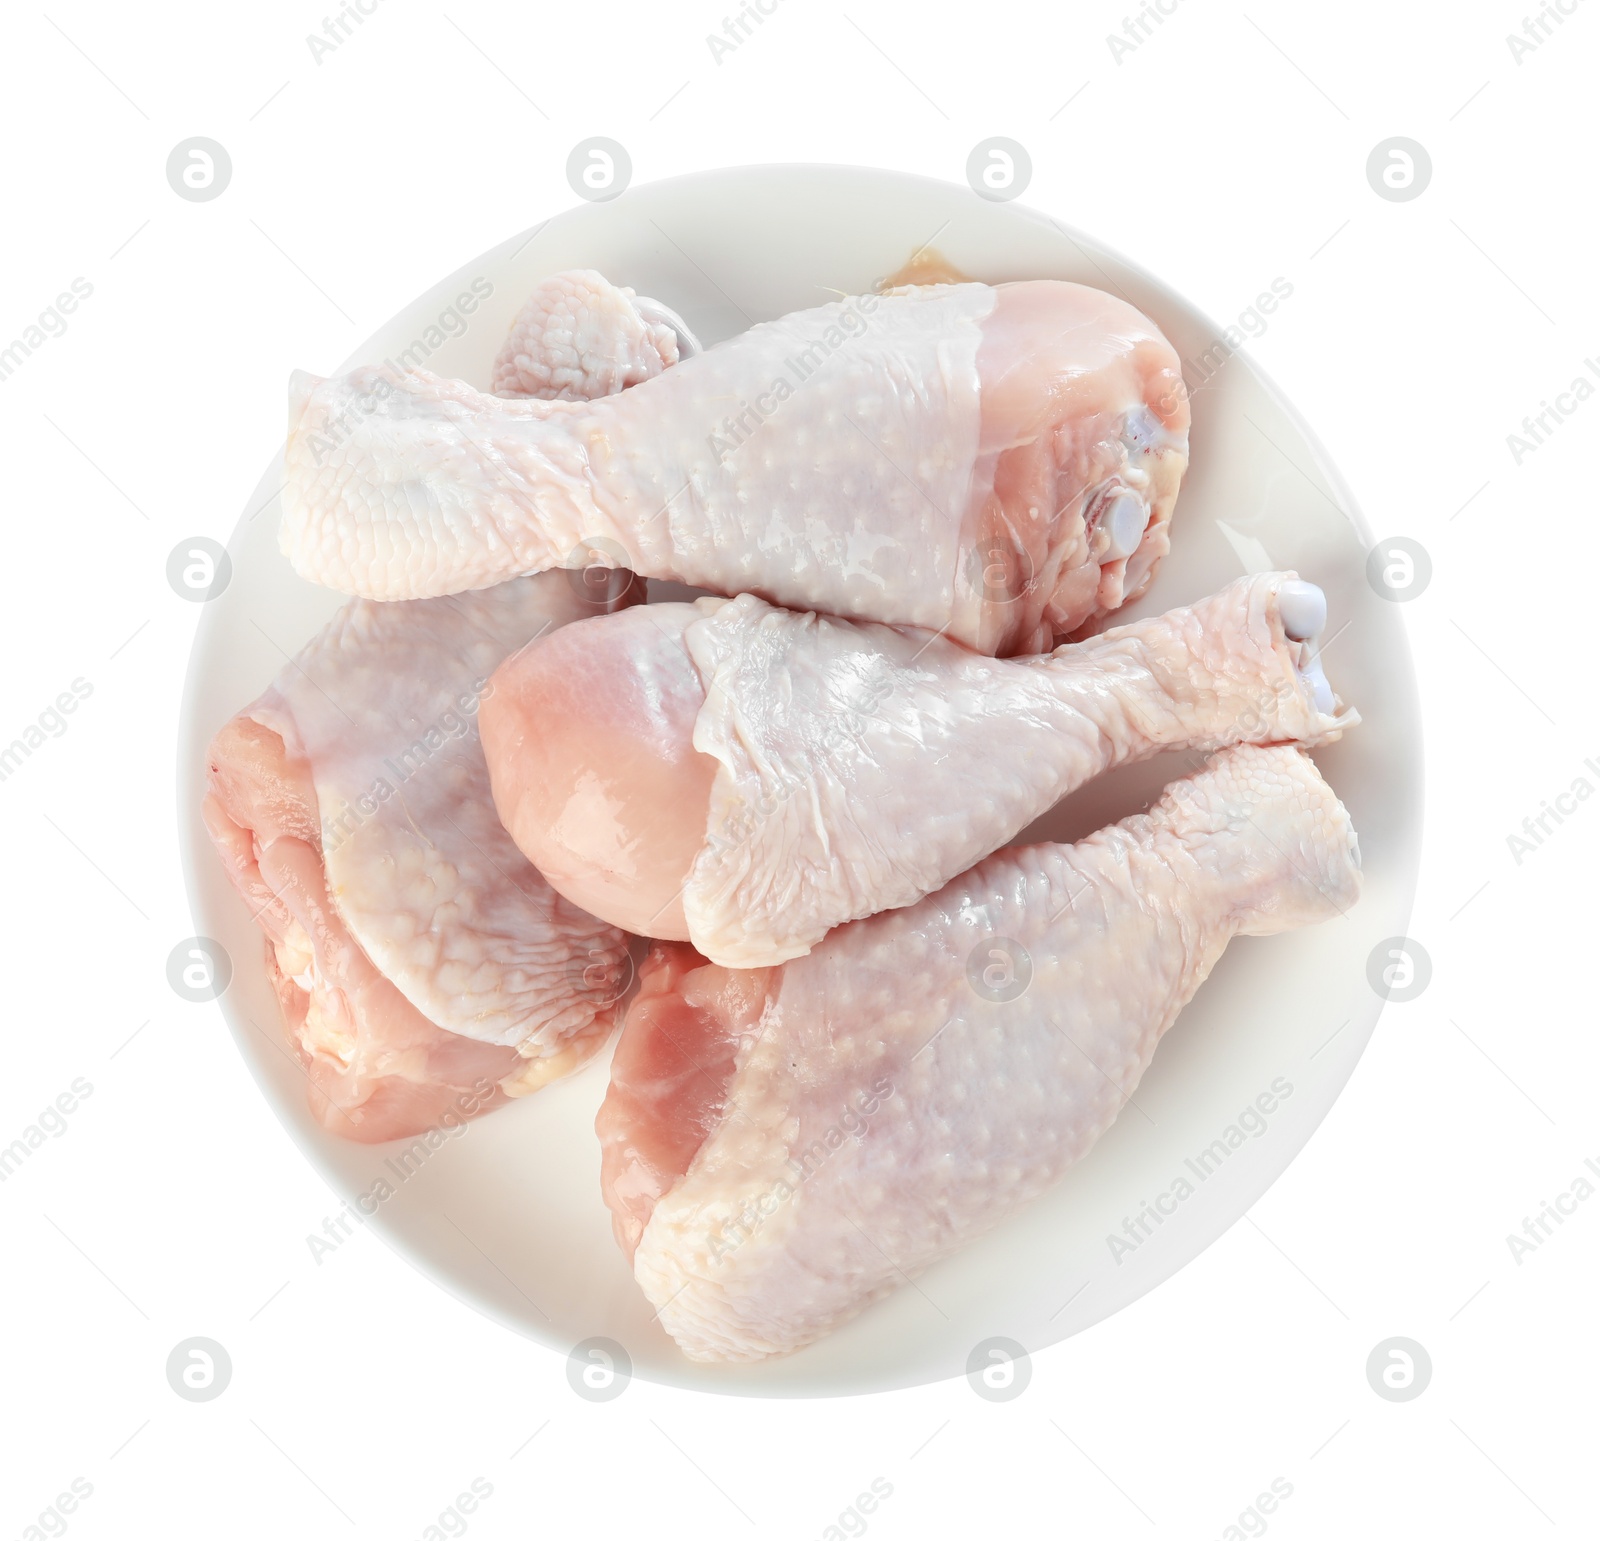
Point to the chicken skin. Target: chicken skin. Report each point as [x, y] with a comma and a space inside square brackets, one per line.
[745, 778]
[781, 1147]
[995, 463]
[424, 968]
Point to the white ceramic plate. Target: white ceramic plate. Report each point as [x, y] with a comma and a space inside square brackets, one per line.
[508, 1215]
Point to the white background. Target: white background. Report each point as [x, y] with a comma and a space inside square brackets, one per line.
[1227, 149]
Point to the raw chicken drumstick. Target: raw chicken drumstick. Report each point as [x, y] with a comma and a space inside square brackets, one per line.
[422, 965]
[998, 464]
[783, 1146]
[578, 336]
[424, 969]
[745, 778]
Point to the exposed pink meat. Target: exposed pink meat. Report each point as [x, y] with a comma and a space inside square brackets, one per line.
[669, 1077]
[377, 1069]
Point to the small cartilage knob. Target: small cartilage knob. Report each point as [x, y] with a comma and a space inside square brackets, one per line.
[1303, 609]
[1124, 521]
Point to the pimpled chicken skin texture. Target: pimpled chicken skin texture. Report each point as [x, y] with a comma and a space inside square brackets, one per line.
[746, 778]
[376, 1068]
[578, 337]
[995, 463]
[781, 1147]
[426, 971]
[459, 942]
